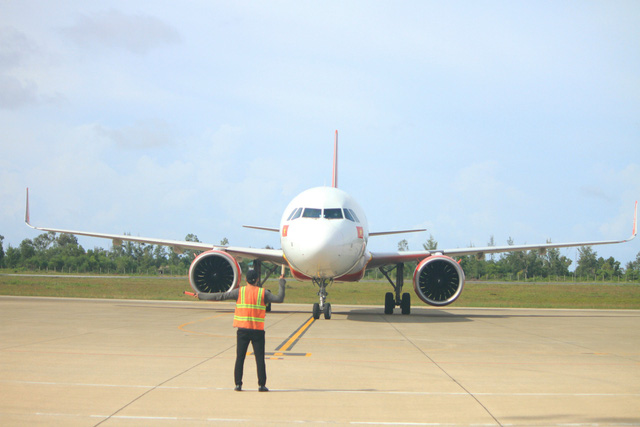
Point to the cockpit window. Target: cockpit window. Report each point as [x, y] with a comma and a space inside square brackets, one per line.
[312, 213]
[333, 213]
[347, 215]
[353, 214]
[296, 214]
[291, 214]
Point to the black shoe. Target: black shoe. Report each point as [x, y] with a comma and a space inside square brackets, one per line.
[263, 388]
[238, 387]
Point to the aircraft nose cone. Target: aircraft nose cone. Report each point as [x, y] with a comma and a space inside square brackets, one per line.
[319, 251]
[322, 244]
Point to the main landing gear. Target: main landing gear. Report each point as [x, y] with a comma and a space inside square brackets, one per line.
[323, 306]
[402, 300]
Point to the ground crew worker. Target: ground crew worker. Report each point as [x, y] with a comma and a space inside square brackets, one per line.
[251, 302]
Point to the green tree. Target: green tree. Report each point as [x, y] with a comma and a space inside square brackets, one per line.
[44, 241]
[160, 256]
[189, 254]
[403, 245]
[492, 242]
[12, 257]
[608, 268]
[533, 266]
[556, 264]
[431, 244]
[513, 264]
[27, 254]
[587, 262]
[632, 269]
[473, 266]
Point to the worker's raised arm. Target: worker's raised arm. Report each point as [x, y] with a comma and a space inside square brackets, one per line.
[269, 297]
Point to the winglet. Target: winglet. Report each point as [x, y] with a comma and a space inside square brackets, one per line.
[335, 162]
[27, 220]
[635, 221]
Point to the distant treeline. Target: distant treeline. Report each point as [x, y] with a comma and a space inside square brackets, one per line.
[62, 253]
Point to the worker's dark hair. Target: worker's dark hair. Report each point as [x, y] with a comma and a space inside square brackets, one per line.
[252, 277]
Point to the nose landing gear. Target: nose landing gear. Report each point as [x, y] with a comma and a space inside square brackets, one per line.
[323, 306]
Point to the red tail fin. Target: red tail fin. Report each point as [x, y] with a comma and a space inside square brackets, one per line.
[335, 162]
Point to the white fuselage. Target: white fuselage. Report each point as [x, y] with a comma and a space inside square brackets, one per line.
[324, 235]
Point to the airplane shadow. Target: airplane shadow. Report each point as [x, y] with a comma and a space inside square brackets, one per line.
[427, 315]
[422, 316]
[418, 314]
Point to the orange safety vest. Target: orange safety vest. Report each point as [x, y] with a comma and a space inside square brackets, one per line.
[250, 308]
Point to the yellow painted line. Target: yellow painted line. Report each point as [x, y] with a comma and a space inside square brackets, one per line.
[296, 335]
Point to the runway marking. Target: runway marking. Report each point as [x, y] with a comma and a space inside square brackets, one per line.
[286, 345]
[280, 355]
[293, 339]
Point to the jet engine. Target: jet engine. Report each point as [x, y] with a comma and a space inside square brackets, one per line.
[214, 271]
[438, 280]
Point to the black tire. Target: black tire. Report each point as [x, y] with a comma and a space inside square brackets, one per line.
[406, 303]
[327, 311]
[316, 311]
[389, 303]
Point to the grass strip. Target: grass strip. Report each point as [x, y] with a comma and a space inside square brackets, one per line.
[475, 294]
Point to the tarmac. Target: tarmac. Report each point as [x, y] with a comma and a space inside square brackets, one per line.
[124, 362]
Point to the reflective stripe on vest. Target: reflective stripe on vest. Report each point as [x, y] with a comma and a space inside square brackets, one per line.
[250, 308]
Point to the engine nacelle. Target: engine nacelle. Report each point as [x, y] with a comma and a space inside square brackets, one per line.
[214, 271]
[438, 280]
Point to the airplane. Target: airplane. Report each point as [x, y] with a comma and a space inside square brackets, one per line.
[324, 236]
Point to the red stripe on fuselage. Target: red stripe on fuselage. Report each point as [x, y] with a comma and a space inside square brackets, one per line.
[353, 277]
[298, 275]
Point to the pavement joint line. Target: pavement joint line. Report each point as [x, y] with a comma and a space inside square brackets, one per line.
[469, 393]
[164, 382]
[561, 341]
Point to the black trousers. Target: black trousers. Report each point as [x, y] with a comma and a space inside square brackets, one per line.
[256, 338]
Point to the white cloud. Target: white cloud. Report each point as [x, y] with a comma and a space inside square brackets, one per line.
[137, 33]
[16, 50]
[15, 93]
[143, 134]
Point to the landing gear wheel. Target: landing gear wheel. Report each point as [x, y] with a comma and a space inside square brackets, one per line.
[389, 303]
[405, 304]
[327, 311]
[316, 311]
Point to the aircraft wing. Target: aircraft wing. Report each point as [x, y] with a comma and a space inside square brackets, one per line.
[380, 259]
[384, 233]
[179, 246]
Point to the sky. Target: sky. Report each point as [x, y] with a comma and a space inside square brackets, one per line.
[473, 119]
